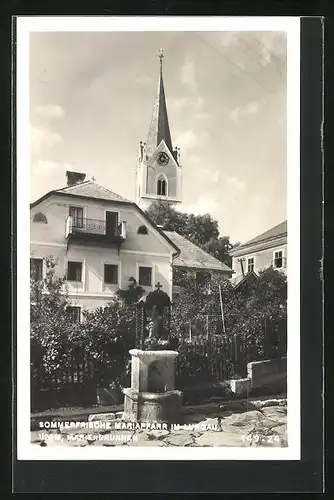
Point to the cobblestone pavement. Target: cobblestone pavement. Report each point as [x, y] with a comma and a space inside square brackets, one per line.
[264, 424]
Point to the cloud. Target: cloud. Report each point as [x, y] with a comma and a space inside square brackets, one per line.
[50, 111]
[234, 115]
[215, 176]
[203, 205]
[45, 167]
[179, 103]
[235, 184]
[260, 201]
[229, 39]
[192, 105]
[144, 80]
[208, 174]
[188, 73]
[251, 108]
[271, 45]
[189, 139]
[41, 137]
[202, 115]
[194, 158]
[186, 140]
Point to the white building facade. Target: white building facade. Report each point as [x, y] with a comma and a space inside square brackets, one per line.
[100, 241]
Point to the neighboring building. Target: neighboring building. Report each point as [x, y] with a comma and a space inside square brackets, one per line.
[267, 249]
[159, 173]
[100, 241]
[195, 260]
[244, 282]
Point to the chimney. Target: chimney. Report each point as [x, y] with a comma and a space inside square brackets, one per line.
[74, 178]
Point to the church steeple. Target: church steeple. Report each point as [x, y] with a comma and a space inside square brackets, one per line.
[159, 173]
[159, 126]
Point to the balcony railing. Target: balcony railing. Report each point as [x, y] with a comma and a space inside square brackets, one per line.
[94, 226]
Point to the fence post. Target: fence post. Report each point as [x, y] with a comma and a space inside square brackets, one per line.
[207, 326]
[236, 353]
[266, 339]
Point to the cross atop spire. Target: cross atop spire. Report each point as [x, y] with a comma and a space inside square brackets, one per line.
[161, 55]
[159, 126]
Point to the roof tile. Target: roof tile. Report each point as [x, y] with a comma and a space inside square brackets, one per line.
[193, 256]
[276, 231]
[92, 190]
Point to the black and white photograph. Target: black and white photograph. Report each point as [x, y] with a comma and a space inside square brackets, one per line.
[158, 238]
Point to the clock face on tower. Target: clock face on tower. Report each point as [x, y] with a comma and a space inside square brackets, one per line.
[163, 158]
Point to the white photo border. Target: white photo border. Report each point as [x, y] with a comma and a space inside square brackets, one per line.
[291, 25]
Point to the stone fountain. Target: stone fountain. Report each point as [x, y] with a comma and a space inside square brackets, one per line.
[152, 395]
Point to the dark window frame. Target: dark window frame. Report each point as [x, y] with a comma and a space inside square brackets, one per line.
[142, 230]
[161, 187]
[278, 259]
[40, 218]
[75, 312]
[77, 220]
[144, 282]
[115, 269]
[250, 265]
[71, 263]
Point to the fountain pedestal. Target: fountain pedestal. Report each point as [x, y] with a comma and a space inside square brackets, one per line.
[152, 396]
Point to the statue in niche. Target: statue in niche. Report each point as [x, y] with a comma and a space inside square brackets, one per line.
[157, 305]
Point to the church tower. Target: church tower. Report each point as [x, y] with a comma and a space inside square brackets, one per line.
[159, 173]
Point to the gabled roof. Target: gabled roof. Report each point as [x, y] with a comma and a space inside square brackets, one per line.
[238, 281]
[275, 232]
[159, 126]
[92, 191]
[87, 189]
[192, 256]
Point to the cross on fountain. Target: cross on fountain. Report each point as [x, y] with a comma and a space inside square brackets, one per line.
[158, 286]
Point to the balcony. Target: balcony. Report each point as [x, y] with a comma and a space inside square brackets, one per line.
[93, 231]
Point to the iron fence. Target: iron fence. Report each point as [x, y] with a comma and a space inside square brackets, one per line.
[200, 360]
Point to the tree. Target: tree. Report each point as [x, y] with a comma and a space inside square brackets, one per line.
[202, 230]
[245, 311]
[132, 294]
[50, 328]
[219, 248]
[105, 336]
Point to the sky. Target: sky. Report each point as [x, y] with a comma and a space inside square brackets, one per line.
[92, 96]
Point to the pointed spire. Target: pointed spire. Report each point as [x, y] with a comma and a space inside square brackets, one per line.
[159, 126]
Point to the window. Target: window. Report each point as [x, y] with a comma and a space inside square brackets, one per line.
[142, 230]
[145, 276]
[111, 223]
[250, 264]
[111, 274]
[278, 259]
[77, 216]
[161, 187]
[74, 313]
[36, 269]
[39, 217]
[74, 271]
